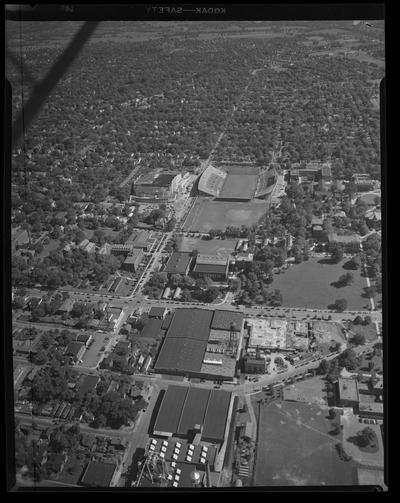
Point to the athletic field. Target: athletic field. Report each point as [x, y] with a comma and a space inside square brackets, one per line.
[207, 214]
[296, 448]
[239, 186]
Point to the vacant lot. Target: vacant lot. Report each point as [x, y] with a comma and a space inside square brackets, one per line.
[207, 214]
[309, 285]
[295, 448]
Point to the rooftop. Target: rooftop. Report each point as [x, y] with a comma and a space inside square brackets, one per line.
[348, 389]
[157, 312]
[73, 348]
[210, 268]
[178, 263]
[222, 320]
[98, 474]
[202, 258]
[183, 408]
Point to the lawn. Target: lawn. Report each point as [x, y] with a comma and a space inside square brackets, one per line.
[295, 448]
[309, 285]
[207, 214]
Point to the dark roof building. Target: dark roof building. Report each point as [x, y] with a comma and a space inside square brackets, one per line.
[191, 323]
[178, 263]
[133, 260]
[213, 266]
[183, 351]
[348, 392]
[179, 355]
[216, 415]
[194, 410]
[183, 410]
[222, 320]
[98, 474]
[170, 411]
[158, 312]
[75, 350]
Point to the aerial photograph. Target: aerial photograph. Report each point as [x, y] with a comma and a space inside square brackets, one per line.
[196, 263]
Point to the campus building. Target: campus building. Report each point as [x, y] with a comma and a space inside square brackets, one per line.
[133, 260]
[178, 263]
[348, 394]
[214, 267]
[156, 187]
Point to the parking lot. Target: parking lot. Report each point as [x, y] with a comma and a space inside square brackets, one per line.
[93, 354]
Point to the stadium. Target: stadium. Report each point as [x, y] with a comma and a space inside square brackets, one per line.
[237, 182]
[230, 196]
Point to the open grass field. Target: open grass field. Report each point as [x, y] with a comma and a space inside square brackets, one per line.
[309, 285]
[207, 214]
[295, 448]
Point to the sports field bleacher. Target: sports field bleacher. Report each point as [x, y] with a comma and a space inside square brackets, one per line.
[212, 180]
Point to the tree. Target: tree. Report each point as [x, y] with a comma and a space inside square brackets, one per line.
[340, 305]
[348, 359]
[365, 437]
[337, 254]
[323, 367]
[358, 339]
[346, 279]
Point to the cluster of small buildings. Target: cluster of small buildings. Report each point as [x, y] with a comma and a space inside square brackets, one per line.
[363, 395]
[125, 357]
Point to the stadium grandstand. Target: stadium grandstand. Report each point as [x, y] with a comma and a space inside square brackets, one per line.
[212, 181]
[266, 181]
[237, 183]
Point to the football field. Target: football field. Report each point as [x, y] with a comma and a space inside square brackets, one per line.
[208, 214]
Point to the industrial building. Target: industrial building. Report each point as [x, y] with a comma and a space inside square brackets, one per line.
[192, 347]
[194, 414]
